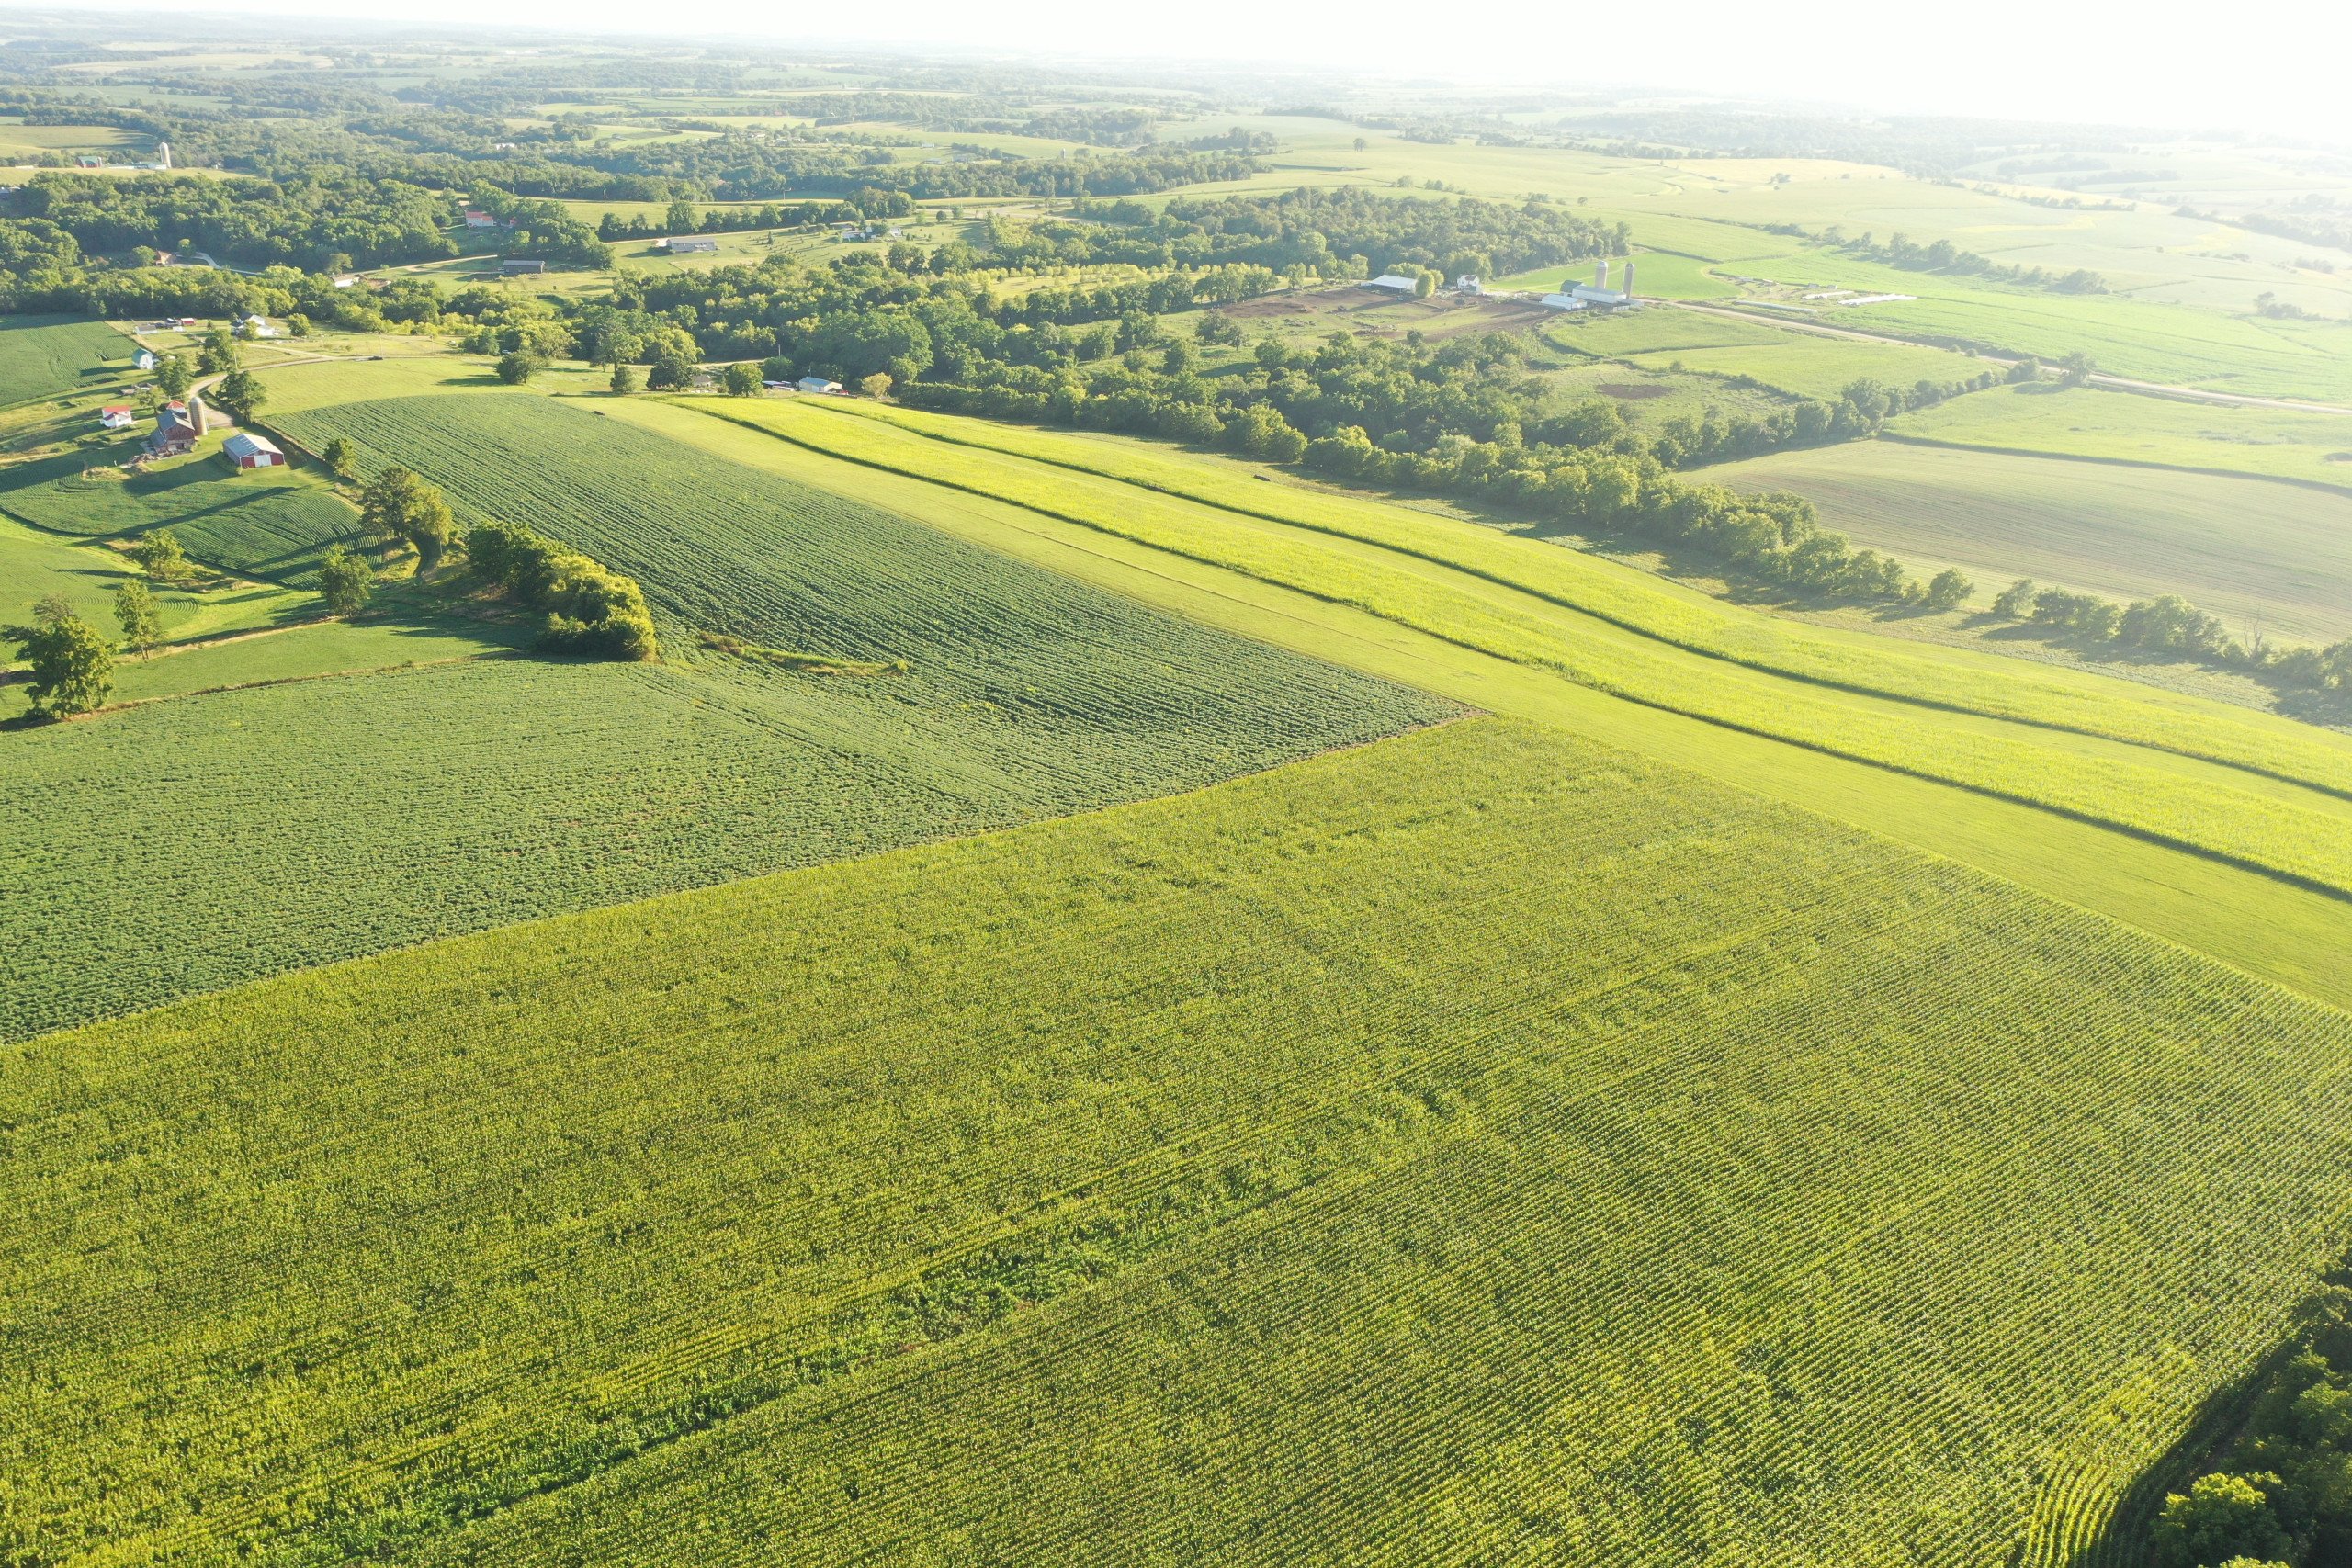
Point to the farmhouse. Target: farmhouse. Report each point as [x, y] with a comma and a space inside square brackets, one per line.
[515, 266]
[1394, 282]
[246, 450]
[1468, 284]
[687, 245]
[177, 428]
[115, 416]
[256, 326]
[477, 218]
[818, 384]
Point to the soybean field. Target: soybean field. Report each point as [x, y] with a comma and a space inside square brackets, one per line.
[1475, 1144]
[45, 356]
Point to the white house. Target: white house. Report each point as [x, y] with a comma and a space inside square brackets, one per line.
[1468, 284]
[256, 326]
[818, 384]
[117, 416]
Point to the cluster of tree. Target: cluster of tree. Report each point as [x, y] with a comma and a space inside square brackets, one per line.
[2278, 1495]
[299, 223]
[1942, 255]
[1313, 227]
[684, 217]
[544, 229]
[2168, 624]
[398, 505]
[589, 609]
[69, 667]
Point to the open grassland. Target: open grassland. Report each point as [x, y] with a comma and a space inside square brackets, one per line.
[1814, 367]
[2257, 553]
[44, 357]
[2121, 427]
[1475, 1144]
[2070, 743]
[34, 565]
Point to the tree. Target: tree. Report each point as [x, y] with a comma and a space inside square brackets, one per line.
[336, 455]
[519, 366]
[876, 386]
[174, 376]
[742, 380]
[135, 612]
[345, 582]
[160, 557]
[219, 355]
[398, 505]
[2222, 1516]
[624, 378]
[242, 393]
[2016, 600]
[1424, 284]
[670, 370]
[2078, 366]
[72, 665]
[1948, 590]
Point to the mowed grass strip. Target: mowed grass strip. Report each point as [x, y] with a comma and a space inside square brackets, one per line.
[2289, 832]
[1435, 1150]
[1986, 684]
[2272, 557]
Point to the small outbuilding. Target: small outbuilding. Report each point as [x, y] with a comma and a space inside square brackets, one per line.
[688, 244]
[246, 450]
[116, 416]
[816, 384]
[516, 267]
[144, 359]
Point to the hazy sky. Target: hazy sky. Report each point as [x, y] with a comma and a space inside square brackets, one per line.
[2269, 64]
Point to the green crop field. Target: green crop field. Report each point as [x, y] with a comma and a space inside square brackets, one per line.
[2044, 736]
[1022, 696]
[2121, 427]
[1307, 1162]
[1814, 367]
[43, 356]
[2257, 553]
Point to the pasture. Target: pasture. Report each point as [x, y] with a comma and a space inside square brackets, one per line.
[1307, 1161]
[2257, 553]
[2124, 427]
[271, 523]
[47, 357]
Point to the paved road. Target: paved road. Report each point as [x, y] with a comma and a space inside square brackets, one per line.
[2119, 383]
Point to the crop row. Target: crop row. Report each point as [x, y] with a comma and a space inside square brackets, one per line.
[2302, 835]
[1468, 1143]
[2084, 703]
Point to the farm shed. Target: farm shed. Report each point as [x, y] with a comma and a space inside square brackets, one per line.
[1562, 303]
[688, 246]
[246, 450]
[1394, 282]
[818, 384]
[144, 359]
[515, 266]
